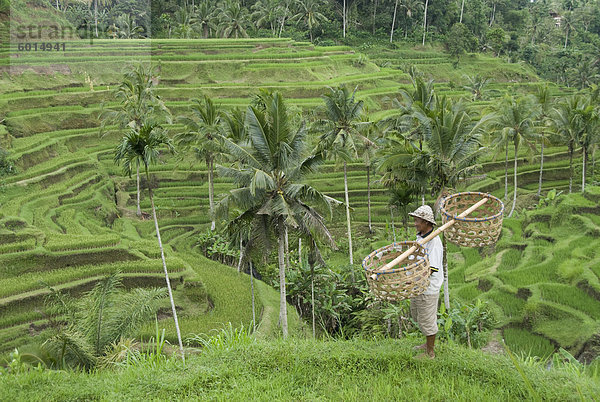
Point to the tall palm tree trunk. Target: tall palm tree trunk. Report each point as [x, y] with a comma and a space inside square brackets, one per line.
[287, 250]
[369, 197]
[539, 192]
[393, 22]
[211, 192]
[344, 19]
[462, 9]
[512, 209]
[239, 267]
[312, 298]
[506, 172]
[425, 21]
[164, 262]
[300, 251]
[570, 168]
[282, 297]
[584, 162]
[252, 290]
[139, 210]
[374, 14]
[96, 17]
[348, 215]
[283, 20]
[593, 162]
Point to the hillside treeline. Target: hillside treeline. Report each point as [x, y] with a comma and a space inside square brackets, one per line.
[560, 38]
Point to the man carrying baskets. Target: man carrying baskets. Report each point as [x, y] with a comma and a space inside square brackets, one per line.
[423, 308]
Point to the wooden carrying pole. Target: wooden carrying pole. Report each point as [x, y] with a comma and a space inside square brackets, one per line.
[398, 260]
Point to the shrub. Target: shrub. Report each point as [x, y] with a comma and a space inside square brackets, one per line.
[467, 324]
[6, 164]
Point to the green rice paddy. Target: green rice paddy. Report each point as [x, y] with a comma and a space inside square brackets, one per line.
[68, 215]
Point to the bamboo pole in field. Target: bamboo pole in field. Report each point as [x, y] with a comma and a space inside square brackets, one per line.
[398, 260]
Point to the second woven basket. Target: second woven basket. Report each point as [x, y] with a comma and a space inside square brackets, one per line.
[481, 228]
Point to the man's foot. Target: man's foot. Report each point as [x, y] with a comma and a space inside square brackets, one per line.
[420, 347]
[425, 356]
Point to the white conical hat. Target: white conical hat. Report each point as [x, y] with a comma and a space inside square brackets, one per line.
[424, 212]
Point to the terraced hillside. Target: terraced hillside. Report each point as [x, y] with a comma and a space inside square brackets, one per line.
[543, 279]
[68, 215]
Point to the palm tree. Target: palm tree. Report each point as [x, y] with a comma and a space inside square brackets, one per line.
[393, 22]
[415, 111]
[203, 136]
[425, 21]
[370, 132]
[374, 15]
[268, 192]
[267, 12]
[452, 151]
[205, 17]
[234, 19]
[308, 11]
[588, 136]
[411, 6]
[567, 23]
[127, 28]
[234, 125]
[584, 73]
[544, 102]
[566, 122]
[401, 163]
[501, 141]
[401, 197]
[137, 99]
[448, 153]
[143, 145]
[286, 7]
[516, 119]
[343, 113]
[93, 325]
[477, 86]
[454, 143]
[186, 20]
[103, 3]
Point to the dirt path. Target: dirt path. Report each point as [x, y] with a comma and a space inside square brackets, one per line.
[494, 346]
[497, 262]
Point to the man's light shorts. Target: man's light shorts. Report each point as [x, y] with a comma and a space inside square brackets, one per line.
[423, 309]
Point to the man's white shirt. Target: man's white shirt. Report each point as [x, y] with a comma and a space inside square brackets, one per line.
[435, 252]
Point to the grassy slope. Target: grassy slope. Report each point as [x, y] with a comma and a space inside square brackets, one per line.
[311, 370]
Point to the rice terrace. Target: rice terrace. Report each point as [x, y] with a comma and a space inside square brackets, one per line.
[299, 200]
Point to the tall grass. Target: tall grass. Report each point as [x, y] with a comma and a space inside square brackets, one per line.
[524, 343]
[311, 370]
[571, 296]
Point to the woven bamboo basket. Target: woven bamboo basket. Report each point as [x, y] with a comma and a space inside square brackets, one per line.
[481, 228]
[408, 280]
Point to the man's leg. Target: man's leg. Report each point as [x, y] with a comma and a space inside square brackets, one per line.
[430, 345]
[414, 314]
[428, 323]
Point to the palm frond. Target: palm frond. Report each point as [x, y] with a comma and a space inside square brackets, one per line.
[132, 309]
